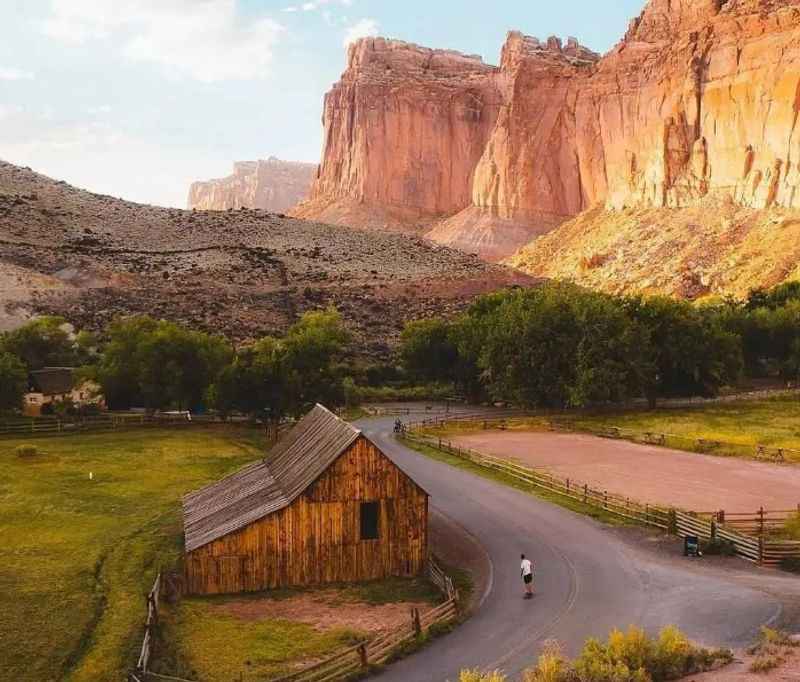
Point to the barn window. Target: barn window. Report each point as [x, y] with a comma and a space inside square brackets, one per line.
[370, 515]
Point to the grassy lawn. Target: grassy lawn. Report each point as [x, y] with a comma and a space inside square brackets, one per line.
[494, 475]
[219, 638]
[78, 555]
[774, 422]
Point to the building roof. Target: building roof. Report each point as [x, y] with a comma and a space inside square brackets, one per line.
[52, 380]
[262, 488]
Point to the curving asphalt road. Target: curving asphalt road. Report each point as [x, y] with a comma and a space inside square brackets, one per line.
[588, 580]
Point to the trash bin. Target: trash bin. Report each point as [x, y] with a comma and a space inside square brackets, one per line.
[691, 545]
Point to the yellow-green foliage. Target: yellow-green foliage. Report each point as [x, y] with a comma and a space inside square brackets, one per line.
[551, 667]
[792, 527]
[78, 555]
[26, 450]
[478, 676]
[771, 650]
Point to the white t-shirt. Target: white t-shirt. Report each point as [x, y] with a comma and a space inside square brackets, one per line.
[527, 567]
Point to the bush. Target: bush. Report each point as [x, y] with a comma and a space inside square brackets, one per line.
[792, 528]
[718, 547]
[26, 450]
[791, 564]
[478, 676]
[771, 650]
[551, 667]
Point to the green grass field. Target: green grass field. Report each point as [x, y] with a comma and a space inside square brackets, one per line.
[78, 555]
[774, 422]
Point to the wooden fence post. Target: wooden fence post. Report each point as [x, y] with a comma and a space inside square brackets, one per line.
[567, 486]
[673, 521]
[362, 656]
[585, 493]
[605, 500]
[415, 623]
[761, 522]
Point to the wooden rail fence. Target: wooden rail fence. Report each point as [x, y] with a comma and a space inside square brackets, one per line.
[617, 505]
[702, 445]
[153, 602]
[362, 657]
[752, 535]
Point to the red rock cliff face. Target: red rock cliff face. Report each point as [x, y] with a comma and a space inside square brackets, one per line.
[700, 100]
[404, 129]
[273, 185]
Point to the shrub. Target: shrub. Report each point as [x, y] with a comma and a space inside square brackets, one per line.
[718, 547]
[792, 527]
[771, 650]
[551, 667]
[791, 564]
[26, 450]
[478, 676]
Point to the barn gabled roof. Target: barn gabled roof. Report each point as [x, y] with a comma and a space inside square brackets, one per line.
[261, 488]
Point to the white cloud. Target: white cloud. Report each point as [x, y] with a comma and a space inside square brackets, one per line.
[207, 40]
[316, 4]
[105, 158]
[99, 110]
[361, 29]
[12, 74]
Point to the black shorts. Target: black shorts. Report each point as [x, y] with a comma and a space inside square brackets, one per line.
[528, 578]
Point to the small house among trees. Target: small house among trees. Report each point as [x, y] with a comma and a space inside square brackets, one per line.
[53, 386]
[326, 506]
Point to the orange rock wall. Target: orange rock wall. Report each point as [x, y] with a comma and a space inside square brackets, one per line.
[701, 98]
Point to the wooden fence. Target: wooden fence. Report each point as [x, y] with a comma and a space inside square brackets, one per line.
[701, 445]
[364, 656]
[752, 535]
[153, 602]
[617, 505]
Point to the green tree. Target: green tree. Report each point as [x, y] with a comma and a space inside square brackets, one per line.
[427, 350]
[691, 352]
[313, 350]
[13, 382]
[41, 342]
[159, 364]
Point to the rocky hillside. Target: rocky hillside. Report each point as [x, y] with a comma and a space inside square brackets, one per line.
[272, 185]
[243, 273]
[697, 104]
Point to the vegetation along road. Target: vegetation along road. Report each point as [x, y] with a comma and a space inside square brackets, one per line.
[589, 579]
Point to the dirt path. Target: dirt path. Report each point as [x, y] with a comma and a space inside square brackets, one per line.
[649, 473]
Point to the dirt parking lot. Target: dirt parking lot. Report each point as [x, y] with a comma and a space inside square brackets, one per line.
[649, 473]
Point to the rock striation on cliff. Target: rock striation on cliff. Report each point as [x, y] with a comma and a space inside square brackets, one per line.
[271, 184]
[698, 102]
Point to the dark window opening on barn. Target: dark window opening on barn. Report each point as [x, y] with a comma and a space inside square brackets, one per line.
[370, 512]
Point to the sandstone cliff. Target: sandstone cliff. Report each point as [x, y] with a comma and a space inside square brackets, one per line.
[698, 103]
[272, 185]
[404, 130]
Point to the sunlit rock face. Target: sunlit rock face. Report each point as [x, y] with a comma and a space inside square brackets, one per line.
[271, 184]
[699, 101]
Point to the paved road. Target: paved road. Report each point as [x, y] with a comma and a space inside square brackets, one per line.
[588, 580]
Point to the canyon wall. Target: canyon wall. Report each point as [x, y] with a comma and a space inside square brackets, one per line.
[699, 100]
[272, 185]
[404, 130]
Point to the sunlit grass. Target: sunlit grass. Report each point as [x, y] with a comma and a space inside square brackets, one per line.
[78, 555]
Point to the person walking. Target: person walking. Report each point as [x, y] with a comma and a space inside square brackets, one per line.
[527, 576]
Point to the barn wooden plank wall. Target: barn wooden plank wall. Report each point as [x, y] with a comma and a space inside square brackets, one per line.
[316, 539]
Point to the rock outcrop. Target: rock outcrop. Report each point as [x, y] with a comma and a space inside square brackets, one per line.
[404, 130]
[272, 185]
[700, 100]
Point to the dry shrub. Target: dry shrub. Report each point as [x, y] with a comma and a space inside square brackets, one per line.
[551, 667]
[477, 676]
[771, 650]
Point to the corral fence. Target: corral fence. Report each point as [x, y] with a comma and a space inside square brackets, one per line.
[701, 445]
[366, 655]
[32, 427]
[352, 661]
[753, 536]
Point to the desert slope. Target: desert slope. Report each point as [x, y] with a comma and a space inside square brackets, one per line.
[244, 273]
[713, 248]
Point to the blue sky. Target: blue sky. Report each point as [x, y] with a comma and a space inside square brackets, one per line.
[136, 98]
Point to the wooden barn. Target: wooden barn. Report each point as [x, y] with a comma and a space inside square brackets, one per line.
[327, 506]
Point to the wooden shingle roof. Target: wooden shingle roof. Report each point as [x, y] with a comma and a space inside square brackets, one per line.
[262, 488]
[52, 380]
